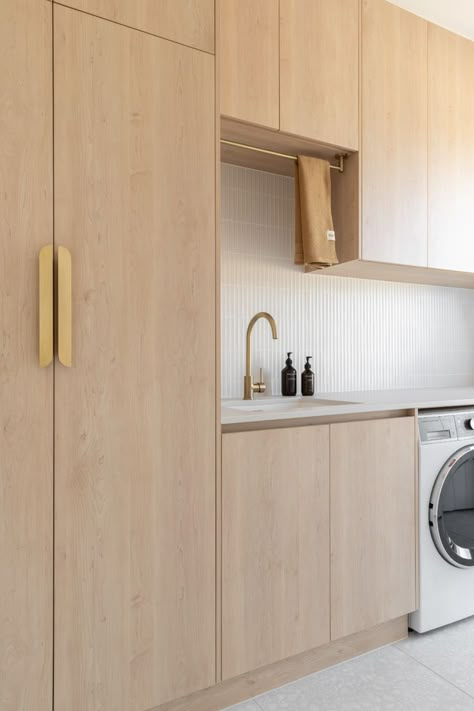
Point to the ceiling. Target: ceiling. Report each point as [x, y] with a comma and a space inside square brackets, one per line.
[456, 15]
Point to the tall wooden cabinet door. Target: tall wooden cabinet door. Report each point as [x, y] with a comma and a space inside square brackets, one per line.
[373, 523]
[275, 545]
[450, 151]
[135, 414]
[189, 22]
[26, 390]
[394, 135]
[319, 70]
[249, 56]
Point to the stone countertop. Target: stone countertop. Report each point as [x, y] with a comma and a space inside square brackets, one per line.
[268, 409]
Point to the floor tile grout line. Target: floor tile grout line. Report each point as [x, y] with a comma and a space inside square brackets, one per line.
[440, 676]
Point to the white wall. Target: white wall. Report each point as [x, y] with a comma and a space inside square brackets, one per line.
[363, 334]
[456, 15]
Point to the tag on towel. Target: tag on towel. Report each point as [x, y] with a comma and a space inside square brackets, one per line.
[331, 235]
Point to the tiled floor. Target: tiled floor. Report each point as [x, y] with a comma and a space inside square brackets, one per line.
[423, 673]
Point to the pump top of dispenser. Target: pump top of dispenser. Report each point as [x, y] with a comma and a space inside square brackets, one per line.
[307, 365]
[289, 362]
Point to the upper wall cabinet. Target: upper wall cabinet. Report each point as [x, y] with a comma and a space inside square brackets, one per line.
[394, 135]
[319, 70]
[189, 22]
[292, 66]
[249, 57]
[451, 151]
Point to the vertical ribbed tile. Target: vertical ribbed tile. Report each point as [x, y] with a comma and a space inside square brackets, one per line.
[362, 334]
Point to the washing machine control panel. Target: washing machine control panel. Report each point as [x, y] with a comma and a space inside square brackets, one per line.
[446, 425]
[437, 427]
[465, 425]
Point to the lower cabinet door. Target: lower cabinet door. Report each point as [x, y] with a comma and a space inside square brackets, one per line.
[275, 545]
[373, 523]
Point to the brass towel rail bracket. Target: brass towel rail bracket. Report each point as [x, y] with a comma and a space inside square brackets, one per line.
[340, 157]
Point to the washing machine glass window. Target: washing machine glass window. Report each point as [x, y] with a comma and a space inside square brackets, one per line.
[451, 511]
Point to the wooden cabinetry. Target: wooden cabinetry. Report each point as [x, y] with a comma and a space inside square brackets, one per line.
[450, 151]
[318, 525]
[189, 22]
[373, 523]
[135, 429]
[26, 390]
[275, 545]
[249, 60]
[292, 65]
[394, 135]
[319, 70]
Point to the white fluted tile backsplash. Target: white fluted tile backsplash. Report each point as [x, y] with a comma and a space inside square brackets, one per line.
[362, 334]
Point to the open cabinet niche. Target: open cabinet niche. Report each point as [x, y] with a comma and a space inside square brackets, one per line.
[344, 185]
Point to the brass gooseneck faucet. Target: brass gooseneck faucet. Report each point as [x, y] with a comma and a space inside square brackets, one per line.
[249, 386]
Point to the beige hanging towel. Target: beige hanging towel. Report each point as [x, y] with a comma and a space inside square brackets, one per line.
[315, 240]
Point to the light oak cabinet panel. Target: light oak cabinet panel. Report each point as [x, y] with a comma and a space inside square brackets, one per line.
[275, 545]
[189, 22]
[26, 390]
[319, 70]
[249, 60]
[373, 523]
[394, 135]
[450, 151]
[135, 428]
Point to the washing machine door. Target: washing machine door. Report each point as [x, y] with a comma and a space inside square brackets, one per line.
[451, 512]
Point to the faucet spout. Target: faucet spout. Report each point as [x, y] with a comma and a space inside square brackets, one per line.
[249, 386]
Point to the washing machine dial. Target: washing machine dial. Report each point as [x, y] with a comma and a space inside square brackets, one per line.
[469, 424]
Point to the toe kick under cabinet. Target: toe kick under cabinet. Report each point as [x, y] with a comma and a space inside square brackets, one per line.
[107, 477]
[318, 536]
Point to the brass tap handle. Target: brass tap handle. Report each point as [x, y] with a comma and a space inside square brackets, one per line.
[260, 387]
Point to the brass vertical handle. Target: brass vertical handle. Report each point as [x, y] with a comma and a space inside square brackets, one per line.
[64, 307]
[45, 284]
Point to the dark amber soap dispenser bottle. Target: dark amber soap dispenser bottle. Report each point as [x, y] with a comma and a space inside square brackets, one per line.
[307, 379]
[288, 378]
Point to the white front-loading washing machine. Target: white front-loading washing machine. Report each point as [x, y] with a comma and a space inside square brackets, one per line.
[446, 518]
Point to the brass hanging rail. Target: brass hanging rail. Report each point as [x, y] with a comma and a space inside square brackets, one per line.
[339, 157]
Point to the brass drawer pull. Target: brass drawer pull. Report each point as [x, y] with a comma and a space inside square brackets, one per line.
[46, 328]
[64, 307]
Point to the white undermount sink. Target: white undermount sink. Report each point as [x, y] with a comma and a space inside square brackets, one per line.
[283, 405]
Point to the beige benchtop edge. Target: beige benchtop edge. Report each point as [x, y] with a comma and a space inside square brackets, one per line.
[374, 402]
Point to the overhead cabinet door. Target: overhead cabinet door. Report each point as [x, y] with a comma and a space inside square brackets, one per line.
[26, 390]
[319, 70]
[189, 22]
[451, 151]
[249, 36]
[135, 414]
[394, 135]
